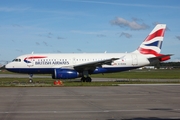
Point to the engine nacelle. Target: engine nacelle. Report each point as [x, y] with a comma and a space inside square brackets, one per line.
[64, 74]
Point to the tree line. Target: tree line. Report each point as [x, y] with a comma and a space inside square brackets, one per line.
[170, 64]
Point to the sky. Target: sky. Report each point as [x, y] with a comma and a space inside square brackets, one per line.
[85, 26]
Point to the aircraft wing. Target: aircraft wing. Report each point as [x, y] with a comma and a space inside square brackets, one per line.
[92, 65]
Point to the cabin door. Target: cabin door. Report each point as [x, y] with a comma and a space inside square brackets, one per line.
[134, 60]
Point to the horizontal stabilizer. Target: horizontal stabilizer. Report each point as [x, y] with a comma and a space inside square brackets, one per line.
[159, 58]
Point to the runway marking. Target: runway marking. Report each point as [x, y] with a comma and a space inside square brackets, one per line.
[100, 111]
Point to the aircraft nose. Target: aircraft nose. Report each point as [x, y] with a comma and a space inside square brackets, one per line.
[7, 66]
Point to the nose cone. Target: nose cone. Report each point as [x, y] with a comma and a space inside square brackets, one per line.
[8, 67]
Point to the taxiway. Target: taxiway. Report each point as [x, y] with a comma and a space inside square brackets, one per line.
[124, 102]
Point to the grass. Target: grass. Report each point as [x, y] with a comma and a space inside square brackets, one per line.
[133, 74]
[144, 74]
[128, 76]
[11, 82]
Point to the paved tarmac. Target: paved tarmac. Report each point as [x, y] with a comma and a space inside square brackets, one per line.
[124, 102]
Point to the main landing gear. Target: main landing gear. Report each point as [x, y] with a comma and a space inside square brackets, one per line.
[87, 78]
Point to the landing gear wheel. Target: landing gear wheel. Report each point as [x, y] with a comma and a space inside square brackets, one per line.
[30, 81]
[88, 79]
[83, 79]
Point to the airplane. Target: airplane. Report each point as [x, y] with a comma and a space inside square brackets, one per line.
[75, 65]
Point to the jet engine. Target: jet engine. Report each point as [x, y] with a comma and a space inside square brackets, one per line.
[64, 74]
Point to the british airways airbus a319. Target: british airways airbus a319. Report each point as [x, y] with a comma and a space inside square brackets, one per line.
[74, 65]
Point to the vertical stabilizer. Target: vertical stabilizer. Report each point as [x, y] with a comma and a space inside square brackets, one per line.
[151, 46]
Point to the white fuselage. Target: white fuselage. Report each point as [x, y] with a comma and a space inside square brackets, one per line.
[35, 63]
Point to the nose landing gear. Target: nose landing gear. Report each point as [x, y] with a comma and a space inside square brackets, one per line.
[30, 78]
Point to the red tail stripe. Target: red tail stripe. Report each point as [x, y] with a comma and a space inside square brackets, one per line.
[148, 51]
[159, 33]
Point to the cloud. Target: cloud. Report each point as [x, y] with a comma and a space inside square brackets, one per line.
[16, 25]
[101, 35]
[18, 50]
[79, 50]
[50, 33]
[37, 43]
[60, 38]
[126, 4]
[178, 37]
[127, 35]
[12, 40]
[39, 35]
[58, 51]
[83, 32]
[12, 9]
[137, 19]
[49, 36]
[45, 43]
[133, 25]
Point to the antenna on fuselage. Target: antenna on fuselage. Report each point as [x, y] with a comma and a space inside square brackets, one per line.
[32, 52]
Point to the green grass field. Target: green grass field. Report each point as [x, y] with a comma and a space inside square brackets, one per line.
[128, 75]
[144, 74]
[133, 74]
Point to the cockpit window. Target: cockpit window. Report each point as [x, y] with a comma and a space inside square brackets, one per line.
[17, 60]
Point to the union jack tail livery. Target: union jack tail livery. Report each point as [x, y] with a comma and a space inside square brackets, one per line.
[151, 46]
